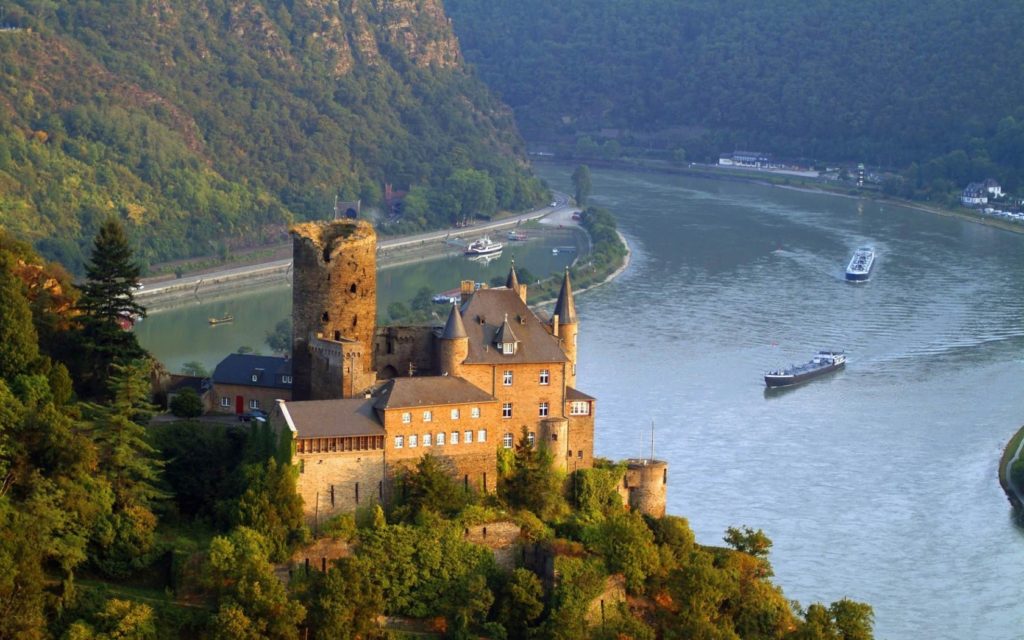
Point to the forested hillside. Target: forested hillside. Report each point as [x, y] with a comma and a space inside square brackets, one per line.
[206, 123]
[885, 83]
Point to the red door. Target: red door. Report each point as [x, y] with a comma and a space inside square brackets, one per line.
[239, 404]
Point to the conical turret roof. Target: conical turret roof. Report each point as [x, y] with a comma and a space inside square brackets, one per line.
[454, 329]
[513, 279]
[565, 308]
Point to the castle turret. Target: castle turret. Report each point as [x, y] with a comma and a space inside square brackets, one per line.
[454, 344]
[564, 326]
[512, 282]
[334, 308]
[645, 486]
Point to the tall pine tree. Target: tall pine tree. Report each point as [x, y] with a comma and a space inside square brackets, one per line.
[107, 302]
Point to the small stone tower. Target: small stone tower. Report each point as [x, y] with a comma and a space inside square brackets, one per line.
[564, 326]
[645, 486]
[453, 345]
[334, 308]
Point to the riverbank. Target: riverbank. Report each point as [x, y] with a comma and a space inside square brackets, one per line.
[1011, 453]
[164, 293]
[786, 181]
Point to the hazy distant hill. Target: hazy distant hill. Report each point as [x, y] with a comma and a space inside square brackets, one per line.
[882, 82]
[199, 119]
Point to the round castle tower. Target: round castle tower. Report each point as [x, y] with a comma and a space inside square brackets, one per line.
[334, 298]
[646, 486]
[453, 347]
[565, 327]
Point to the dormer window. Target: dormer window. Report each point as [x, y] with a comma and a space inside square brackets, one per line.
[505, 340]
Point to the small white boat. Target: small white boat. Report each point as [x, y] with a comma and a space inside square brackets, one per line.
[483, 246]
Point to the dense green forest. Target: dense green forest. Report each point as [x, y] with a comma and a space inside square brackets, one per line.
[113, 525]
[210, 124]
[929, 88]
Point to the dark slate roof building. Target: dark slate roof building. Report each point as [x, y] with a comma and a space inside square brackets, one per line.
[245, 369]
[495, 313]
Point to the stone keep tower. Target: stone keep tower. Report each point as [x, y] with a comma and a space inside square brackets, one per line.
[334, 308]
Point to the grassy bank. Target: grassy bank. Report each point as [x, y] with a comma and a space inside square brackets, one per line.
[1006, 471]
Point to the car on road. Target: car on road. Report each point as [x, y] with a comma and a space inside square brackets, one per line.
[254, 414]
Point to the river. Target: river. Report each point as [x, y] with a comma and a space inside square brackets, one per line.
[877, 483]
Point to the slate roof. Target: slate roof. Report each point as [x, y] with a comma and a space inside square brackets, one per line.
[401, 393]
[512, 282]
[454, 328]
[239, 368]
[330, 418]
[576, 394]
[483, 315]
[565, 308]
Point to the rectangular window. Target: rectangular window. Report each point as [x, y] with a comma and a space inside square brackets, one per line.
[428, 416]
[399, 442]
[531, 438]
[426, 439]
[506, 410]
[254, 404]
[508, 348]
[507, 378]
[455, 437]
[406, 417]
[286, 379]
[481, 435]
[225, 402]
[578, 408]
[506, 441]
[467, 437]
[412, 441]
[474, 412]
[543, 409]
[545, 376]
[440, 439]
[455, 414]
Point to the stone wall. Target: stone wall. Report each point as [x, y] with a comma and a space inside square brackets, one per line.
[394, 348]
[322, 475]
[334, 295]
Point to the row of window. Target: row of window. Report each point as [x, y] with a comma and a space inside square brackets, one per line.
[543, 409]
[430, 439]
[225, 402]
[346, 443]
[545, 377]
[428, 415]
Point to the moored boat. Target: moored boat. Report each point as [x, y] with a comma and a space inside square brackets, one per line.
[483, 246]
[823, 362]
[227, 317]
[860, 265]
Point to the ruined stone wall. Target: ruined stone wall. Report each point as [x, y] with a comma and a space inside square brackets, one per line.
[647, 483]
[330, 480]
[397, 346]
[334, 295]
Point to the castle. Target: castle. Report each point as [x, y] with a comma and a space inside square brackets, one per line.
[370, 401]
